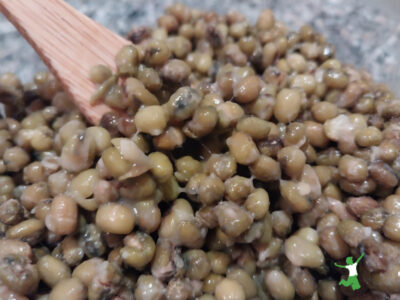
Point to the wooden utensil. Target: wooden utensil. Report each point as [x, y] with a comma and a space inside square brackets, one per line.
[69, 43]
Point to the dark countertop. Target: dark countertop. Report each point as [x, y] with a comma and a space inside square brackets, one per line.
[364, 34]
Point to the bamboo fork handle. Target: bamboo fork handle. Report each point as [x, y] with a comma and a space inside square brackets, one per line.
[69, 43]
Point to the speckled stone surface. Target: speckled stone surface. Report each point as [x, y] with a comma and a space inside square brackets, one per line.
[366, 33]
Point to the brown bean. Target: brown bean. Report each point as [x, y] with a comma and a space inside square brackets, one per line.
[279, 285]
[115, 218]
[229, 289]
[247, 89]
[242, 148]
[301, 252]
[352, 232]
[391, 228]
[51, 270]
[175, 70]
[332, 243]
[287, 106]
[232, 218]
[266, 169]
[72, 288]
[62, 217]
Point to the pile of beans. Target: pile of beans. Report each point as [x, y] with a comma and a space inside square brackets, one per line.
[248, 161]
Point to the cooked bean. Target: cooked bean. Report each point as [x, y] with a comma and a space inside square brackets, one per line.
[62, 217]
[352, 232]
[149, 77]
[295, 135]
[258, 203]
[186, 167]
[115, 218]
[329, 290]
[219, 261]
[203, 122]
[360, 205]
[315, 134]
[33, 194]
[161, 166]
[297, 62]
[374, 218]
[262, 107]
[391, 228]
[287, 106]
[266, 169]
[197, 264]
[281, 223]
[91, 241]
[332, 243]
[71, 288]
[247, 283]
[247, 89]
[151, 120]
[383, 175]
[99, 73]
[170, 189]
[106, 282]
[370, 136]
[391, 204]
[303, 281]
[178, 289]
[138, 188]
[15, 158]
[138, 251]
[237, 189]
[335, 79]
[147, 215]
[11, 212]
[58, 182]
[51, 270]
[303, 253]
[229, 113]
[30, 230]
[242, 148]
[387, 151]
[247, 156]
[69, 251]
[157, 52]
[86, 270]
[127, 60]
[211, 190]
[18, 274]
[292, 160]
[305, 82]
[323, 111]
[308, 234]
[279, 285]
[232, 218]
[255, 127]
[229, 289]
[353, 169]
[310, 50]
[182, 104]
[82, 187]
[169, 22]
[103, 89]
[175, 70]
[269, 53]
[149, 287]
[114, 162]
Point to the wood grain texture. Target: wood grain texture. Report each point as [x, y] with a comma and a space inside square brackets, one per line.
[69, 43]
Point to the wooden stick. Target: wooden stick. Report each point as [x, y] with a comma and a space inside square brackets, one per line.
[69, 43]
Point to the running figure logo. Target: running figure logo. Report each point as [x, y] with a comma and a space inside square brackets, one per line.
[353, 275]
